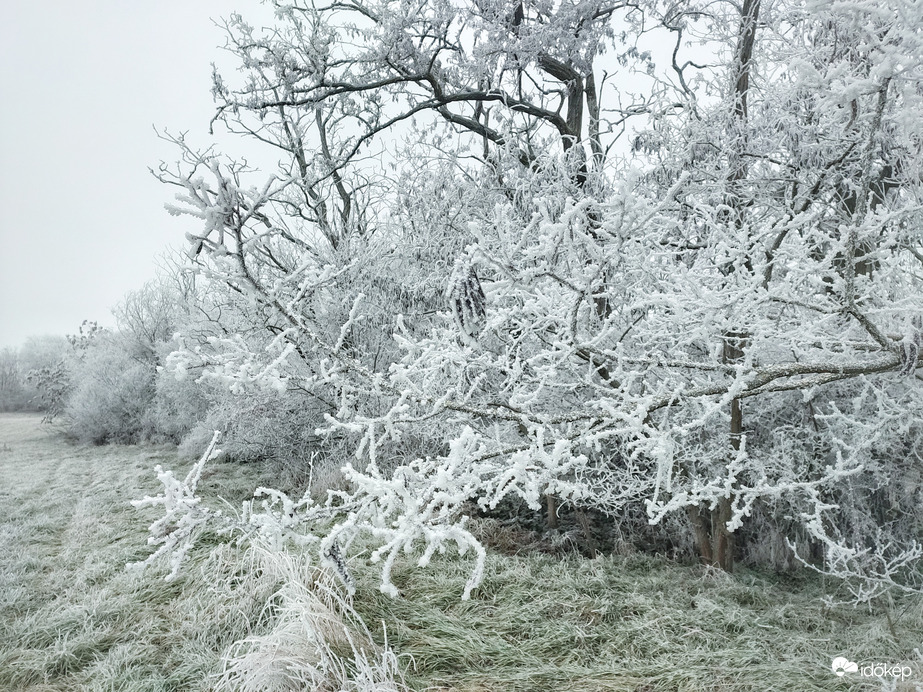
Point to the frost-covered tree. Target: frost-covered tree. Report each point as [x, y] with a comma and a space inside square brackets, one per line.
[685, 280]
[51, 376]
[13, 392]
[149, 316]
[19, 370]
[110, 394]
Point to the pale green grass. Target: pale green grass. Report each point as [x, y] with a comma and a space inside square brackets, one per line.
[631, 623]
[71, 615]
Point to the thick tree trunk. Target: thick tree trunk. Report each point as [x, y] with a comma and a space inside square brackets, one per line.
[723, 538]
[701, 526]
[715, 543]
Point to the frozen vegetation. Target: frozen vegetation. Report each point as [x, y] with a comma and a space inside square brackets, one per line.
[238, 618]
[605, 287]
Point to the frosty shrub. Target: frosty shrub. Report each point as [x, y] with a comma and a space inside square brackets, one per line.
[110, 395]
[148, 317]
[22, 368]
[176, 408]
[15, 393]
[48, 363]
[42, 357]
[266, 426]
[717, 326]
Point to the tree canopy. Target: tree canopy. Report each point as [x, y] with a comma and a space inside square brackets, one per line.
[657, 260]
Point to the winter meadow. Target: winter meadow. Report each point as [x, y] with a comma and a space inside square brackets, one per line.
[529, 345]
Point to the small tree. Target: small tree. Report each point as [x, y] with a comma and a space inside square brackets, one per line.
[110, 395]
[148, 317]
[13, 393]
[52, 378]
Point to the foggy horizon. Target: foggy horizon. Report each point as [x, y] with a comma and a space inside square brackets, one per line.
[84, 219]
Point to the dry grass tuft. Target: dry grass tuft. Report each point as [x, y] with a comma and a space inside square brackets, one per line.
[312, 640]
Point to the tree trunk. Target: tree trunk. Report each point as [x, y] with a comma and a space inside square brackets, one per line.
[586, 527]
[551, 507]
[701, 526]
[715, 542]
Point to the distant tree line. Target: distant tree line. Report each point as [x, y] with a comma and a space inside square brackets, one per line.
[20, 370]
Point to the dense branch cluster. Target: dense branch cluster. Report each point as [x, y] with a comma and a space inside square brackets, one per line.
[467, 267]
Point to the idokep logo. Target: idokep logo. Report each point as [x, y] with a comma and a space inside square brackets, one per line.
[842, 665]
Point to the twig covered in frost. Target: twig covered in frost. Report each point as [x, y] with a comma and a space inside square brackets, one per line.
[184, 515]
[871, 571]
[275, 519]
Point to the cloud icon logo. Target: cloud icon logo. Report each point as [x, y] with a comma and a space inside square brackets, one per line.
[841, 666]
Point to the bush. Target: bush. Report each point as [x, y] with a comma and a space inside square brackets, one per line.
[269, 426]
[179, 405]
[32, 377]
[14, 394]
[111, 395]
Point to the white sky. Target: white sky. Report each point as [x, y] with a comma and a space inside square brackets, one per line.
[83, 84]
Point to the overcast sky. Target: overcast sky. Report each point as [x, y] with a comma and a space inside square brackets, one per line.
[83, 85]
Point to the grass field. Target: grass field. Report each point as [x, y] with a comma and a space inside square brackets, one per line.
[73, 618]
[71, 615]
